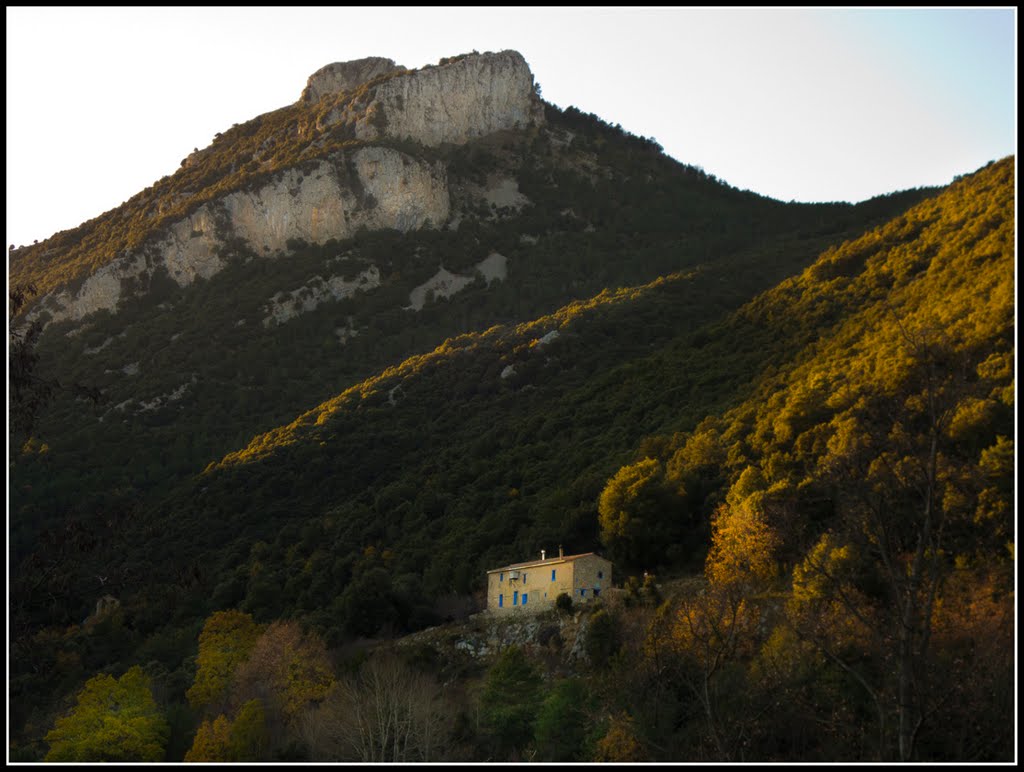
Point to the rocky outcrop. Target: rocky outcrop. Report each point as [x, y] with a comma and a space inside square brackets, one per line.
[346, 76]
[288, 305]
[375, 187]
[472, 96]
[484, 636]
[101, 291]
[445, 284]
[442, 284]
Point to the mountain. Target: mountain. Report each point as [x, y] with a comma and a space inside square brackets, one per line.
[420, 323]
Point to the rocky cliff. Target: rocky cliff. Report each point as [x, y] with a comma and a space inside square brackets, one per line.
[454, 102]
[373, 186]
[346, 76]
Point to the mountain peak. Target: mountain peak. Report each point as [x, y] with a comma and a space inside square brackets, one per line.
[346, 76]
[459, 99]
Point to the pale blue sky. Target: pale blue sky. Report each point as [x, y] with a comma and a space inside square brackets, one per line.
[807, 105]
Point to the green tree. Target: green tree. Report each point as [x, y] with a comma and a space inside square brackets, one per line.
[28, 393]
[562, 723]
[602, 638]
[113, 720]
[642, 514]
[509, 702]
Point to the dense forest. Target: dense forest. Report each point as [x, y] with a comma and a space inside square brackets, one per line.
[795, 420]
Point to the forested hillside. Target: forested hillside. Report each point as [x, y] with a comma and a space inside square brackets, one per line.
[823, 463]
[861, 563]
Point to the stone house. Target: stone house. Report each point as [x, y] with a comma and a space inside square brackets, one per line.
[535, 584]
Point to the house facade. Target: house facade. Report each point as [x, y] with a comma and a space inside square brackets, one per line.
[535, 584]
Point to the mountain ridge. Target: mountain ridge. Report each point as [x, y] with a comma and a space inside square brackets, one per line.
[351, 434]
[186, 220]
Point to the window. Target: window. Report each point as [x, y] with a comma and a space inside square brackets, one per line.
[552, 574]
[525, 596]
[524, 578]
[515, 598]
[501, 600]
[582, 592]
[600, 574]
[596, 592]
[501, 577]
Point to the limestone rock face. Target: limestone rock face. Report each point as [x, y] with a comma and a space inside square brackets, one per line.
[376, 187]
[345, 76]
[471, 97]
[101, 291]
[287, 305]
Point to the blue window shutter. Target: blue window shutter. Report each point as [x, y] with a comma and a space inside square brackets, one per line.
[552, 574]
[501, 600]
[501, 577]
[525, 596]
[515, 598]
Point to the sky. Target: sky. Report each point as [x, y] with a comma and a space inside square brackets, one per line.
[796, 104]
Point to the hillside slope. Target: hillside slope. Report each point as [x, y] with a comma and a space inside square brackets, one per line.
[189, 372]
[351, 431]
[442, 456]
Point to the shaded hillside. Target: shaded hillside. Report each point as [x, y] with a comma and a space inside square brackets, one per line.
[443, 445]
[364, 512]
[599, 347]
[491, 466]
[190, 373]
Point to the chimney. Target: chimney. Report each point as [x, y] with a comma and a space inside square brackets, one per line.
[560, 551]
[542, 554]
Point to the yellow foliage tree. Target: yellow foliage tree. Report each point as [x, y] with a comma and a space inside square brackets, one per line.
[224, 740]
[287, 670]
[641, 513]
[113, 720]
[620, 743]
[225, 642]
[742, 554]
[212, 741]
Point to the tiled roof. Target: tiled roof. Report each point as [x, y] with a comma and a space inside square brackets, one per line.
[544, 562]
